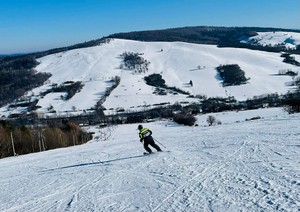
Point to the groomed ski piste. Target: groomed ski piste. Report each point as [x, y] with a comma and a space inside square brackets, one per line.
[237, 166]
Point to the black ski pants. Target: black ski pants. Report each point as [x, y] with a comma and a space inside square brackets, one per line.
[150, 141]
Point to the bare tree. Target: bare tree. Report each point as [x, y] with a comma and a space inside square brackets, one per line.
[211, 120]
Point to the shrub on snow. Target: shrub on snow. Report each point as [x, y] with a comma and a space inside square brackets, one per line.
[185, 119]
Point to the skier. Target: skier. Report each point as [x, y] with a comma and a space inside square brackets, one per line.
[145, 135]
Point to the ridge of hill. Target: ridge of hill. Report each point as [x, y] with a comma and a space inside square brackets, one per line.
[220, 36]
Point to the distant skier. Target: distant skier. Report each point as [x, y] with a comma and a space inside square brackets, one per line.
[145, 135]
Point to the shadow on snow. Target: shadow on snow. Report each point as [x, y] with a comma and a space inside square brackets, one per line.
[93, 163]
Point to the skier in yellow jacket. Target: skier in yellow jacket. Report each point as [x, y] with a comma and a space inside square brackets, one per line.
[145, 135]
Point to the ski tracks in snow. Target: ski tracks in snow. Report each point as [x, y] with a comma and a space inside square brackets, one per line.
[255, 176]
[221, 168]
[193, 187]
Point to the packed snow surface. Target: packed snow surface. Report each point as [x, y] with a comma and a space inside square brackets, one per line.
[237, 166]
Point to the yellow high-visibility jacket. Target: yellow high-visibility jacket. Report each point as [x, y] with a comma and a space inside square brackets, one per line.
[145, 133]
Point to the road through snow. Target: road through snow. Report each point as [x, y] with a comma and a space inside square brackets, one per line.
[245, 166]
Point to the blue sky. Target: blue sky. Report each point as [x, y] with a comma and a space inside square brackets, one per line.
[34, 25]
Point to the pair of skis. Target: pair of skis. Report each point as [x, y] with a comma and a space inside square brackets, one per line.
[147, 153]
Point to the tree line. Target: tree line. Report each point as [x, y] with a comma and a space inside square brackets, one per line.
[17, 76]
[221, 36]
[21, 140]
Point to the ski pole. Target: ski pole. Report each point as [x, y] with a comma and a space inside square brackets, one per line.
[159, 143]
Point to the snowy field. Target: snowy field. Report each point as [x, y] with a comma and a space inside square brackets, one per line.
[177, 62]
[237, 166]
[288, 39]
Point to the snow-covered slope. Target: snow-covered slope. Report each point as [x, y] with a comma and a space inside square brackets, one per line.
[288, 39]
[177, 62]
[237, 166]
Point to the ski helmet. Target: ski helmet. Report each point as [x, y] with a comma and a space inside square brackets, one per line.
[140, 127]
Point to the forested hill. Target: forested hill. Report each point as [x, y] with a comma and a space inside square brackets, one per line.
[17, 74]
[221, 36]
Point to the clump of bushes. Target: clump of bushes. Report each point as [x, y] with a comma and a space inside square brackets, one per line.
[287, 72]
[133, 61]
[292, 101]
[232, 75]
[71, 88]
[211, 120]
[185, 119]
[289, 59]
[156, 80]
[115, 83]
[253, 118]
[218, 104]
